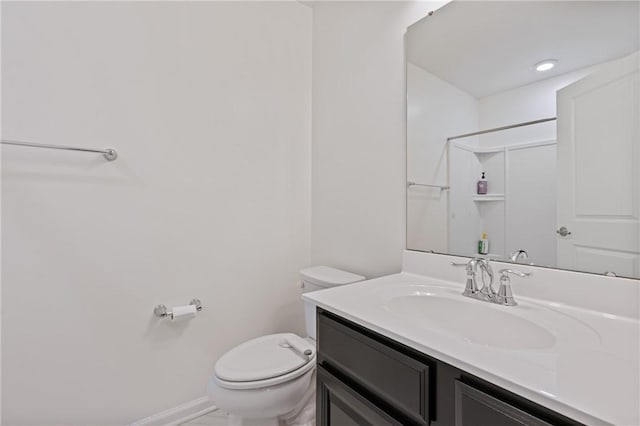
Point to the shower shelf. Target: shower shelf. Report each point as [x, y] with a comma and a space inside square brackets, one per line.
[489, 197]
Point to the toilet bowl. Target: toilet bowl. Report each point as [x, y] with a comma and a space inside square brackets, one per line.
[270, 380]
[264, 381]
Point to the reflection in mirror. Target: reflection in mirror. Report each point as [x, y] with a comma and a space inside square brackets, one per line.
[523, 134]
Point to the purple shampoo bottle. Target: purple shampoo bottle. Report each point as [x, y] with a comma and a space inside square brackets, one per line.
[482, 185]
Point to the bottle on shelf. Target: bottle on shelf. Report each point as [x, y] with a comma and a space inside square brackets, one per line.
[482, 185]
[483, 244]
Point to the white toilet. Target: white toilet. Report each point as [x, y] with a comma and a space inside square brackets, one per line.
[270, 380]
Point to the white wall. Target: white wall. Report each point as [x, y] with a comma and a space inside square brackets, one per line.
[531, 195]
[208, 105]
[358, 170]
[435, 111]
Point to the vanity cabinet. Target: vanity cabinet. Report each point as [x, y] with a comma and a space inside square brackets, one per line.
[365, 378]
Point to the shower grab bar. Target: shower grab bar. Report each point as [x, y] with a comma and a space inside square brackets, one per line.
[442, 187]
[109, 153]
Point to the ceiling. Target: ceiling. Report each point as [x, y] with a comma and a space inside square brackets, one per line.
[486, 47]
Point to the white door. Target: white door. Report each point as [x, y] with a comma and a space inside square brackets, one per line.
[599, 171]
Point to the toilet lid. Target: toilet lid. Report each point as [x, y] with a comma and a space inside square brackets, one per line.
[264, 357]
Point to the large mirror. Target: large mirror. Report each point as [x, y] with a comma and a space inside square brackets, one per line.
[542, 99]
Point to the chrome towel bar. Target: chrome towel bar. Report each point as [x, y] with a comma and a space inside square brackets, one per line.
[442, 187]
[109, 153]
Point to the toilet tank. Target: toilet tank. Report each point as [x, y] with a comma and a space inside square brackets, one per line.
[319, 278]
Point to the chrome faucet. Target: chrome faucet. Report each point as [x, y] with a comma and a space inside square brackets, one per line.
[503, 296]
[487, 292]
[519, 254]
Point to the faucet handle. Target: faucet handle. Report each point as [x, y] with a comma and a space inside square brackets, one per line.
[470, 266]
[505, 295]
[504, 273]
[470, 288]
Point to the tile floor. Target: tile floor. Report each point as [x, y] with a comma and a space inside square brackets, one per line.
[215, 418]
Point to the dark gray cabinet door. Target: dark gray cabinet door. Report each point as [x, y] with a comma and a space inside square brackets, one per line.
[339, 405]
[476, 408]
[381, 370]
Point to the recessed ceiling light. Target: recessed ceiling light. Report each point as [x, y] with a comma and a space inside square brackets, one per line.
[546, 65]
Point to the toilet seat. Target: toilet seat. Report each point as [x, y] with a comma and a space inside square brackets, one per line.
[265, 361]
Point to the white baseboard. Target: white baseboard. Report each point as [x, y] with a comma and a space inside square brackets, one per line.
[180, 414]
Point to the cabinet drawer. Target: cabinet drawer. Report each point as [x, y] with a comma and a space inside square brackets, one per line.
[340, 405]
[387, 374]
[474, 407]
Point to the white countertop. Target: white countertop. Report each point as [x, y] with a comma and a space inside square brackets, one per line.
[589, 373]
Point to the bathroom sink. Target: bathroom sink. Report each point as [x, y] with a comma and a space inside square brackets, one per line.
[473, 321]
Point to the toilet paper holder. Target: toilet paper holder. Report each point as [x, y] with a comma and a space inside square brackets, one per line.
[161, 311]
